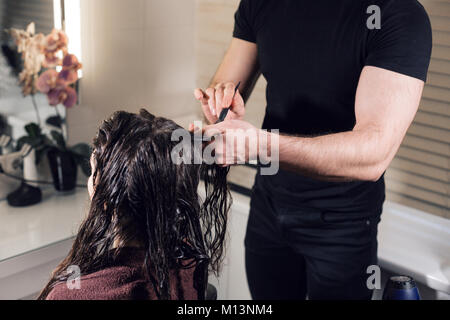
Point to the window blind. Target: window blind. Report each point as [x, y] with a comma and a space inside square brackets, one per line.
[19, 13]
[419, 176]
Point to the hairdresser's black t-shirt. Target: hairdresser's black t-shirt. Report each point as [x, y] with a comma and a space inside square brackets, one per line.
[311, 53]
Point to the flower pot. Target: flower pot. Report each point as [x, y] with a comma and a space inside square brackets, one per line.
[63, 168]
[10, 163]
[33, 171]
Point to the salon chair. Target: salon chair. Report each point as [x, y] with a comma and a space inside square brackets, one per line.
[211, 292]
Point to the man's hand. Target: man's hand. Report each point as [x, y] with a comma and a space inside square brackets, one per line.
[236, 142]
[232, 142]
[240, 63]
[213, 100]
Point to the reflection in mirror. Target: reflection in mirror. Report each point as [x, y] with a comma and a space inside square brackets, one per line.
[15, 109]
[25, 113]
[39, 73]
[38, 80]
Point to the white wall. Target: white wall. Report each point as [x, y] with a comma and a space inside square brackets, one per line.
[135, 53]
[215, 22]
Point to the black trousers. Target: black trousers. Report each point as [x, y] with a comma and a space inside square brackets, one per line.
[294, 252]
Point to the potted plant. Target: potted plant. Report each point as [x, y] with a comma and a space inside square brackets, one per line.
[39, 141]
[49, 68]
[64, 161]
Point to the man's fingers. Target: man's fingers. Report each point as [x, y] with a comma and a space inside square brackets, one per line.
[207, 99]
[198, 93]
[207, 112]
[238, 105]
[219, 99]
[211, 92]
[228, 95]
[238, 100]
[200, 96]
[214, 100]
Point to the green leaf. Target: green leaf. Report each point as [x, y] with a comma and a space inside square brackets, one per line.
[59, 139]
[33, 130]
[23, 140]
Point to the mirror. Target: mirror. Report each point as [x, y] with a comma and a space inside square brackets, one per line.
[16, 110]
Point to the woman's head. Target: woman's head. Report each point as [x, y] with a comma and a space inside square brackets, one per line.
[139, 196]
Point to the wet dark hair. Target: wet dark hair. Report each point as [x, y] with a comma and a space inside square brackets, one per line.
[142, 196]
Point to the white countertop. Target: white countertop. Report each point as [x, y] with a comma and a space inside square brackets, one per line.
[53, 220]
[415, 243]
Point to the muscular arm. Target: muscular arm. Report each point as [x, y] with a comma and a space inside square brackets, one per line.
[386, 103]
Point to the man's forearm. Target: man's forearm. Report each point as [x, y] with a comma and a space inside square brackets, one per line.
[346, 156]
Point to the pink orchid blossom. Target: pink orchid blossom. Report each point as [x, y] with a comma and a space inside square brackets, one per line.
[70, 62]
[68, 76]
[56, 41]
[69, 72]
[65, 95]
[70, 67]
[46, 51]
[51, 60]
[47, 81]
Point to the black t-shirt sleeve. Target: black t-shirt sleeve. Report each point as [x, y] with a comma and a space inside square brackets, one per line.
[244, 17]
[404, 42]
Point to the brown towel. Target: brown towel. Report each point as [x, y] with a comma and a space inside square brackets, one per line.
[124, 280]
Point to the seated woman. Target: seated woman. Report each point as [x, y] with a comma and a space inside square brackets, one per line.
[148, 235]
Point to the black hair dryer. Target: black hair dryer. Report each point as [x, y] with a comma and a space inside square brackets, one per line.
[401, 288]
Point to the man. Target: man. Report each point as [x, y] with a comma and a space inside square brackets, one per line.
[342, 89]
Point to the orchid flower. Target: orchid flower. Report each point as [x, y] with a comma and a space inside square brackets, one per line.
[70, 67]
[55, 42]
[44, 51]
[65, 95]
[48, 80]
[31, 46]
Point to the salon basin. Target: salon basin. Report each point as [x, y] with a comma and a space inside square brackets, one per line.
[416, 243]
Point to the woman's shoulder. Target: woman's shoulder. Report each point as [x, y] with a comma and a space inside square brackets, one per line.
[112, 283]
[125, 279]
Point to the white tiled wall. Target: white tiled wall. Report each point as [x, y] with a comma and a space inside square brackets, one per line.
[135, 53]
